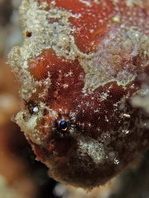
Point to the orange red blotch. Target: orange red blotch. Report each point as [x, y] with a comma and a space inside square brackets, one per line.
[90, 23]
[65, 75]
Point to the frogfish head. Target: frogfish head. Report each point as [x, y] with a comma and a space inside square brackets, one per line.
[79, 134]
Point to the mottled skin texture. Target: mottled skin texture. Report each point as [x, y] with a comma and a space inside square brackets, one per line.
[103, 132]
[85, 39]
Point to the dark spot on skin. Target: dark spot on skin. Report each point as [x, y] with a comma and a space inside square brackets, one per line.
[28, 34]
[30, 105]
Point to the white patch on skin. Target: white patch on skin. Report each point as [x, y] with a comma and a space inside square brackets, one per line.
[29, 123]
[115, 1]
[29, 126]
[97, 1]
[131, 3]
[18, 60]
[56, 34]
[120, 46]
[93, 149]
[86, 2]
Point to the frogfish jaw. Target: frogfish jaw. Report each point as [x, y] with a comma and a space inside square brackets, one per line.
[85, 141]
[83, 68]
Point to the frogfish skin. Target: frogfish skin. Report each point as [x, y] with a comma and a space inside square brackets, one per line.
[81, 67]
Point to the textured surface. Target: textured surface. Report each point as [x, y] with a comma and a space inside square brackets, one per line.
[82, 62]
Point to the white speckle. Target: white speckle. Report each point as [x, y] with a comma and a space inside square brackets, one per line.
[136, 35]
[125, 131]
[96, 110]
[65, 85]
[146, 124]
[104, 96]
[89, 124]
[91, 30]
[116, 19]
[35, 109]
[86, 2]
[116, 161]
[53, 3]
[126, 115]
[87, 104]
[68, 74]
[60, 110]
[106, 119]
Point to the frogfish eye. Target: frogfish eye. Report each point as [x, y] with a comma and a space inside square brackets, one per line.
[63, 125]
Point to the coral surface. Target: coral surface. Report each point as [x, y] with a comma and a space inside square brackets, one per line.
[81, 68]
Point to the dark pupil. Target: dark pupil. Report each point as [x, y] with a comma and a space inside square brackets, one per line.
[63, 125]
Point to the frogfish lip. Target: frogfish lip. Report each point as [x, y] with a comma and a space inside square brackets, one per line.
[77, 165]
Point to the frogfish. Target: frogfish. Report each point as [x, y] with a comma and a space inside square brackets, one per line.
[83, 73]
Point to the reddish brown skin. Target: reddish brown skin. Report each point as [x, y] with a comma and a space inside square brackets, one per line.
[72, 99]
[87, 41]
[93, 31]
[64, 95]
